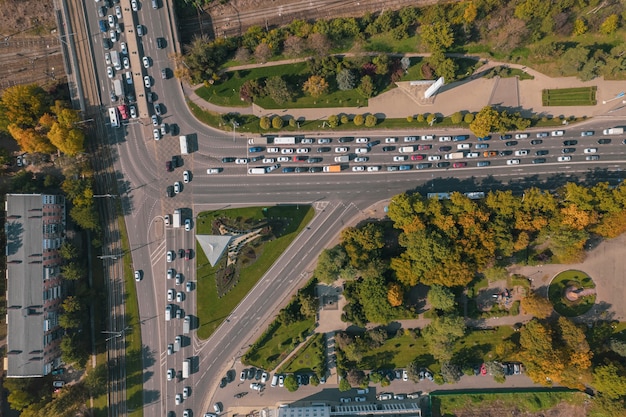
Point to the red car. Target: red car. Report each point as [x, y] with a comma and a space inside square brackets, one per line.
[300, 158]
[188, 254]
[459, 165]
[417, 157]
[424, 147]
[483, 369]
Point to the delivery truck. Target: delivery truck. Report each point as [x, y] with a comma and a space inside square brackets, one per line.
[258, 141]
[117, 87]
[455, 155]
[342, 158]
[115, 60]
[176, 218]
[184, 145]
[186, 365]
[613, 131]
[257, 170]
[408, 149]
[332, 168]
[186, 325]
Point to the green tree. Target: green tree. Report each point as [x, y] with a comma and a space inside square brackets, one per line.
[442, 333]
[96, 380]
[74, 350]
[330, 263]
[456, 118]
[73, 271]
[278, 90]
[373, 294]
[344, 385]
[370, 120]
[441, 298]
[362, 244]
[346, 80]
[68, 251]
[333, 120]
[291, 383]
[356, 377]
[308, 305]
[358, 120]
[468, 118]
[450, 372]
[316, 86]
[437, 36]
[485, 121]
[618, 347]
[23, 105]
[264, 122]
[277, 122]
[610, 380]
[580, 27]
[86, 217]
[495, 369]
[366, 87]
[609, 26]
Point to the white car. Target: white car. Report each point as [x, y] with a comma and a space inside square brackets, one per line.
[129, 77]
[405, 375]
[163, 129]
[557, 133]
[512, 162]
[186, 392]
[362, 140]
[147, 82]
[521, 136]
[111, 20]
[358, 168]
[521, 152]
[273, 150]
[179, 399]
[400, 158]
[564, 158]
[373, 168]
[139, 30]
[133, 5]
[264, 377]
[123, 48]
[137, 275]
[186, 176]
[177, 187]
[590, 150]
[303, 150]
[283, 159]
[110, 72]
[170, 374]
[323, 141]
[167, 218]
[472, 155]
[286, 151]
[171, 294]
[269, 160]
[146, 62]
[113, 36]
[118, 12]
[107, 58]
[170, 255]
[241, 161]
[410, 138]
[427, 137]
[156, 133]
[307, 141]
[341, 149]
[180, 297]
[281, 381]
[360, 399]
[445, 138]
[391, 140]
[362, 150]
[188, 286]
[434, 157]
[361, 159]
[212, 171]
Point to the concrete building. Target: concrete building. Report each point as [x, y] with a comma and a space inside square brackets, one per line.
[355, 409]
[35, 230]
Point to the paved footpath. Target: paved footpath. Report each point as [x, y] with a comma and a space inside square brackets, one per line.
[475, 90]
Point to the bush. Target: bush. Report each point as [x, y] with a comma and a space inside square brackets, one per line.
[277, 122]
[264, 122]
[468, 118]
[431, 118]
[456, 118]
[409, 119]
[420, 118]
[292, 122]
[359, 120]
[370, 120]
[344, 119]
[333, 120]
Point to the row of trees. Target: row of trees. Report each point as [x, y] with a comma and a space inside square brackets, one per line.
[38, 125]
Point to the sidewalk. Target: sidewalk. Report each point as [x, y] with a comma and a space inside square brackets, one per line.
[476, 92]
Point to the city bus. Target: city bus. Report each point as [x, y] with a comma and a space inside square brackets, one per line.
[113, 117]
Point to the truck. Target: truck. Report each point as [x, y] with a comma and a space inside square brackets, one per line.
[177, 343]
[184, 145]
[176, 218]
[258, 141]
[117, 87]
[407, 149]
[186, 325]
[455, 155]
[342, 158]
[257, 170]
[613, 131]
[115, 60]
[332, 168]
[285, 140]
[186, 365]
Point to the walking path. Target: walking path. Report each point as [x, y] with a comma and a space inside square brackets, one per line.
[476, 92]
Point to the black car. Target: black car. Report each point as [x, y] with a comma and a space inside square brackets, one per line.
[150, 97]
[323, 149]
[288, 169]
[175, 161]
[256, 158]
[301, 169]
[223, 382]
[568, 150]
[570, 142]
[604, 141]
[539, 160]
[373, 143]
[445, 148]
[505, 137]
[506, 153]
[511, 143]
[228, 160]
[181, 253]
[314, 160]
[230, 375]
[169, 191]
[315, 169]
[346, 139]
[424, 166]
[542, 152]
[259, 373]
[443, 164]
[160, 43]
[251, 373]
[389, 148]
[536, 142]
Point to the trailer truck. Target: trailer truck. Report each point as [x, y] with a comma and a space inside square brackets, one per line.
[455, 155]
[407, 149]
[186, 365]
[115, 60]
[186, 325]
[176, 218]
[258, 141]
[613, 131]
[332, 168]
[342, 158]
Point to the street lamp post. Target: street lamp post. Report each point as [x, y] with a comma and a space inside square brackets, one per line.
[235, 126]
[105, 196]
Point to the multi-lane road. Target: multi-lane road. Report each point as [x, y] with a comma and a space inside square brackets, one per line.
[139, 164]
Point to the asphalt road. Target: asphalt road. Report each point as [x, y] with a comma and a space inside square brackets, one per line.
[142, 179]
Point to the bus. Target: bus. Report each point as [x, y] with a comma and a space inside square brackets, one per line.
[184, 145]
[285, 140]
[113, 117]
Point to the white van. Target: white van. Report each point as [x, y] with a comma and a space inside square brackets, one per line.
[275, 380]
[461, 146]
[168, 312]
[362, 150]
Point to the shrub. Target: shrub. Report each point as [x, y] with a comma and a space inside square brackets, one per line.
[457, 118]
[409, 119]
[358, 120]
[468, 118]
[333, 120]
[370, 120]
[264, 122]
[277, 122]
[431, 118]
[420, 118]
[344, 119]
[292, 122]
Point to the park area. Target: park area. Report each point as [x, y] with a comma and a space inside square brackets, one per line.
[582, 96]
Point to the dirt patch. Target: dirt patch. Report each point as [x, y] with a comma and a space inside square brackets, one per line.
[500, 410]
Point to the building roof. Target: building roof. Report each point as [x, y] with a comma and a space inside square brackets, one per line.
[214, 246]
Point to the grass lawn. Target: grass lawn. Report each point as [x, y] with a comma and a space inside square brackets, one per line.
[309, 357]
[278, 344]
[557, 289]
[212, 310]
[583, 96]
[227, 93]
[383, 42]
[525, 401]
